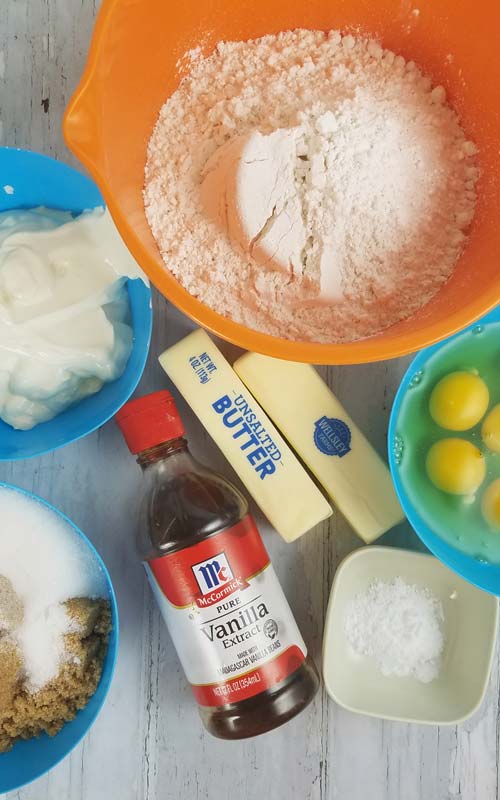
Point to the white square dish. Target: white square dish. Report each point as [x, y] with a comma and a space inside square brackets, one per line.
[470, 626]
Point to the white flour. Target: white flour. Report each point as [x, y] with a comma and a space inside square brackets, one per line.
[310, 186]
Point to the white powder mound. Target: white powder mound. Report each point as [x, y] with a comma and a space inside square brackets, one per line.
[46, 564]
[311, 186]
[400, 627]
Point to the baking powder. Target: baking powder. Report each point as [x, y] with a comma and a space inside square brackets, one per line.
[399, 626]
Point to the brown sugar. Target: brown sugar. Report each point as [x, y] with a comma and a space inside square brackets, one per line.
[24, 714]
[11, 607]
[10, 666]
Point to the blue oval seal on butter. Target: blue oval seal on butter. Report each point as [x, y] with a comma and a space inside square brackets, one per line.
[332, 436]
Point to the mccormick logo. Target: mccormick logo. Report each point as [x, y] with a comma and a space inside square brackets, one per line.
[212, 573]
[215, 580]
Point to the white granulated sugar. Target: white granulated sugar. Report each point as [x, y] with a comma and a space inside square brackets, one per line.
[399, 626]
[46, 564]
[310, 186]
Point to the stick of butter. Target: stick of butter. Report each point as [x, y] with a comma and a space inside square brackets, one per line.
[270, 471]
[326, 439]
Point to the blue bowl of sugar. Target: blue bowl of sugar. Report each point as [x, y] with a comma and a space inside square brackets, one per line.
[30, 759]
[29, 180]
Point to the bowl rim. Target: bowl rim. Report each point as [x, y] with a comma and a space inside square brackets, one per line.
[115, 621]
[84, 104]
[32, 155]
[363, 552]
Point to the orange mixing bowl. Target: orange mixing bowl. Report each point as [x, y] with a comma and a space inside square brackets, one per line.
[133, 66]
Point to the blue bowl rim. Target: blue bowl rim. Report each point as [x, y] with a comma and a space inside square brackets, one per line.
[451, 556]
[114, 619]
[36, 156]
[32, 154]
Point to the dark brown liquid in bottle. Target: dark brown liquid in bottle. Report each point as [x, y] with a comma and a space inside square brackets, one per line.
[185, 504]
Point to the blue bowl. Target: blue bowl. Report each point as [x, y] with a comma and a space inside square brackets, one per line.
[484, 575]
[30, 759]
[28, 180]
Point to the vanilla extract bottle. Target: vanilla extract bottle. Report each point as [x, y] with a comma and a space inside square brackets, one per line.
[228, 618]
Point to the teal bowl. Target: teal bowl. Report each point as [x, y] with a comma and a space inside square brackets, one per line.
[29, 180]
[30, 759]
[483, 574]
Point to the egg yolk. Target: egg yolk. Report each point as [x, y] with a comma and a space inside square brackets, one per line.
[491, 430]
[455, 466]
[490, 504]
[459, 401]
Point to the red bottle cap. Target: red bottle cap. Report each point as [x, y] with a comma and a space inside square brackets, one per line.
[149, 420]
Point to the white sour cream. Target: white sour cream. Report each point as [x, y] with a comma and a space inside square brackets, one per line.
[64, 313]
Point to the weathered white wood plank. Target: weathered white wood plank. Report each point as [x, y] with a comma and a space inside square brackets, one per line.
[148, 743]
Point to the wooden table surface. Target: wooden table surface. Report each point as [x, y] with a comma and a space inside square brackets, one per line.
[148, 743]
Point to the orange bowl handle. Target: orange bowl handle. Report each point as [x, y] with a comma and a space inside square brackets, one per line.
[81, 129]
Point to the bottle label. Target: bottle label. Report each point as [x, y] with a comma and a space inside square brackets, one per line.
[227, 615]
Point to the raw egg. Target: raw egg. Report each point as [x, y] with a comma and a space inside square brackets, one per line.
[491, 430]
[456, 466]
[459, 401]
[490, 504]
